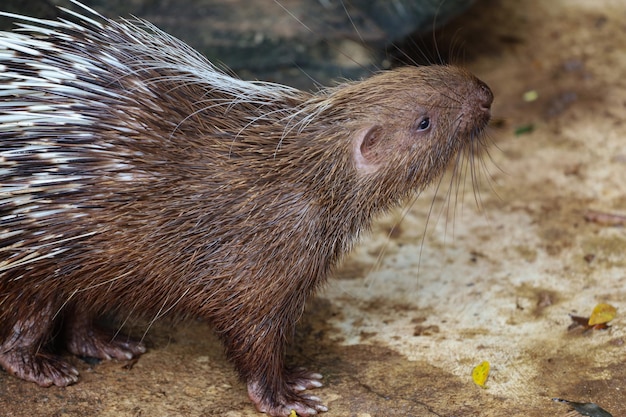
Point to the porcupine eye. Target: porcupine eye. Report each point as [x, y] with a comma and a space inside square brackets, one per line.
[423, 124]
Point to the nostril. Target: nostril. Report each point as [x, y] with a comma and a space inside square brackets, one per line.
[485, 96]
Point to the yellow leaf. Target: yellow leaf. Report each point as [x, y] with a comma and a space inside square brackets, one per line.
[530, 95]
[293, 413]
[480, 373]
[602, 313]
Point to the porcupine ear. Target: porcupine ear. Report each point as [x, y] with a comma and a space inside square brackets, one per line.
[366, 149]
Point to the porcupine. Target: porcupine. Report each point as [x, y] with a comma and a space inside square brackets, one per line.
[137, 178]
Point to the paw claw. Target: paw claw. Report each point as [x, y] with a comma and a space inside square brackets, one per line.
[312, 398]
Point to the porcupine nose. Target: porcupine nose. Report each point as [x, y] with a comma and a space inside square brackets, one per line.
[485, 97]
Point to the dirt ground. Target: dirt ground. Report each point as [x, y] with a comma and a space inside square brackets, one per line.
[431, 294]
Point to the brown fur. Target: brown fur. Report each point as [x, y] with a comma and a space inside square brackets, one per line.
[236, 212]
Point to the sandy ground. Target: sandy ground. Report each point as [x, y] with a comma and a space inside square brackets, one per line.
[416, 307]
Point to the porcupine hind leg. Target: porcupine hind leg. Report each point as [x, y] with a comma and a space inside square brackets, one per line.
[85, 338]
[22, 351]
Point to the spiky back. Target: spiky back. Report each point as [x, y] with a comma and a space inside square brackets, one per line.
[100, 115]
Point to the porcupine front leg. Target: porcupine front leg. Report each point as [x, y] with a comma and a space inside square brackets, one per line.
[257, 350]
[23, 354]
[85, 338]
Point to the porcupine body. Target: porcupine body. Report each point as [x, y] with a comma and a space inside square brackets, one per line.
[138, 179]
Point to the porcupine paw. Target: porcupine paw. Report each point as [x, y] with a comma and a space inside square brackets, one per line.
[41, 368]
[292, 397]
[95, 342]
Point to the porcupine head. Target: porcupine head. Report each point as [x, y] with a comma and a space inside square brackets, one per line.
[138, 179]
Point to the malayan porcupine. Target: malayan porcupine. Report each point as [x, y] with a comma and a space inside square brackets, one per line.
[136, 178]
